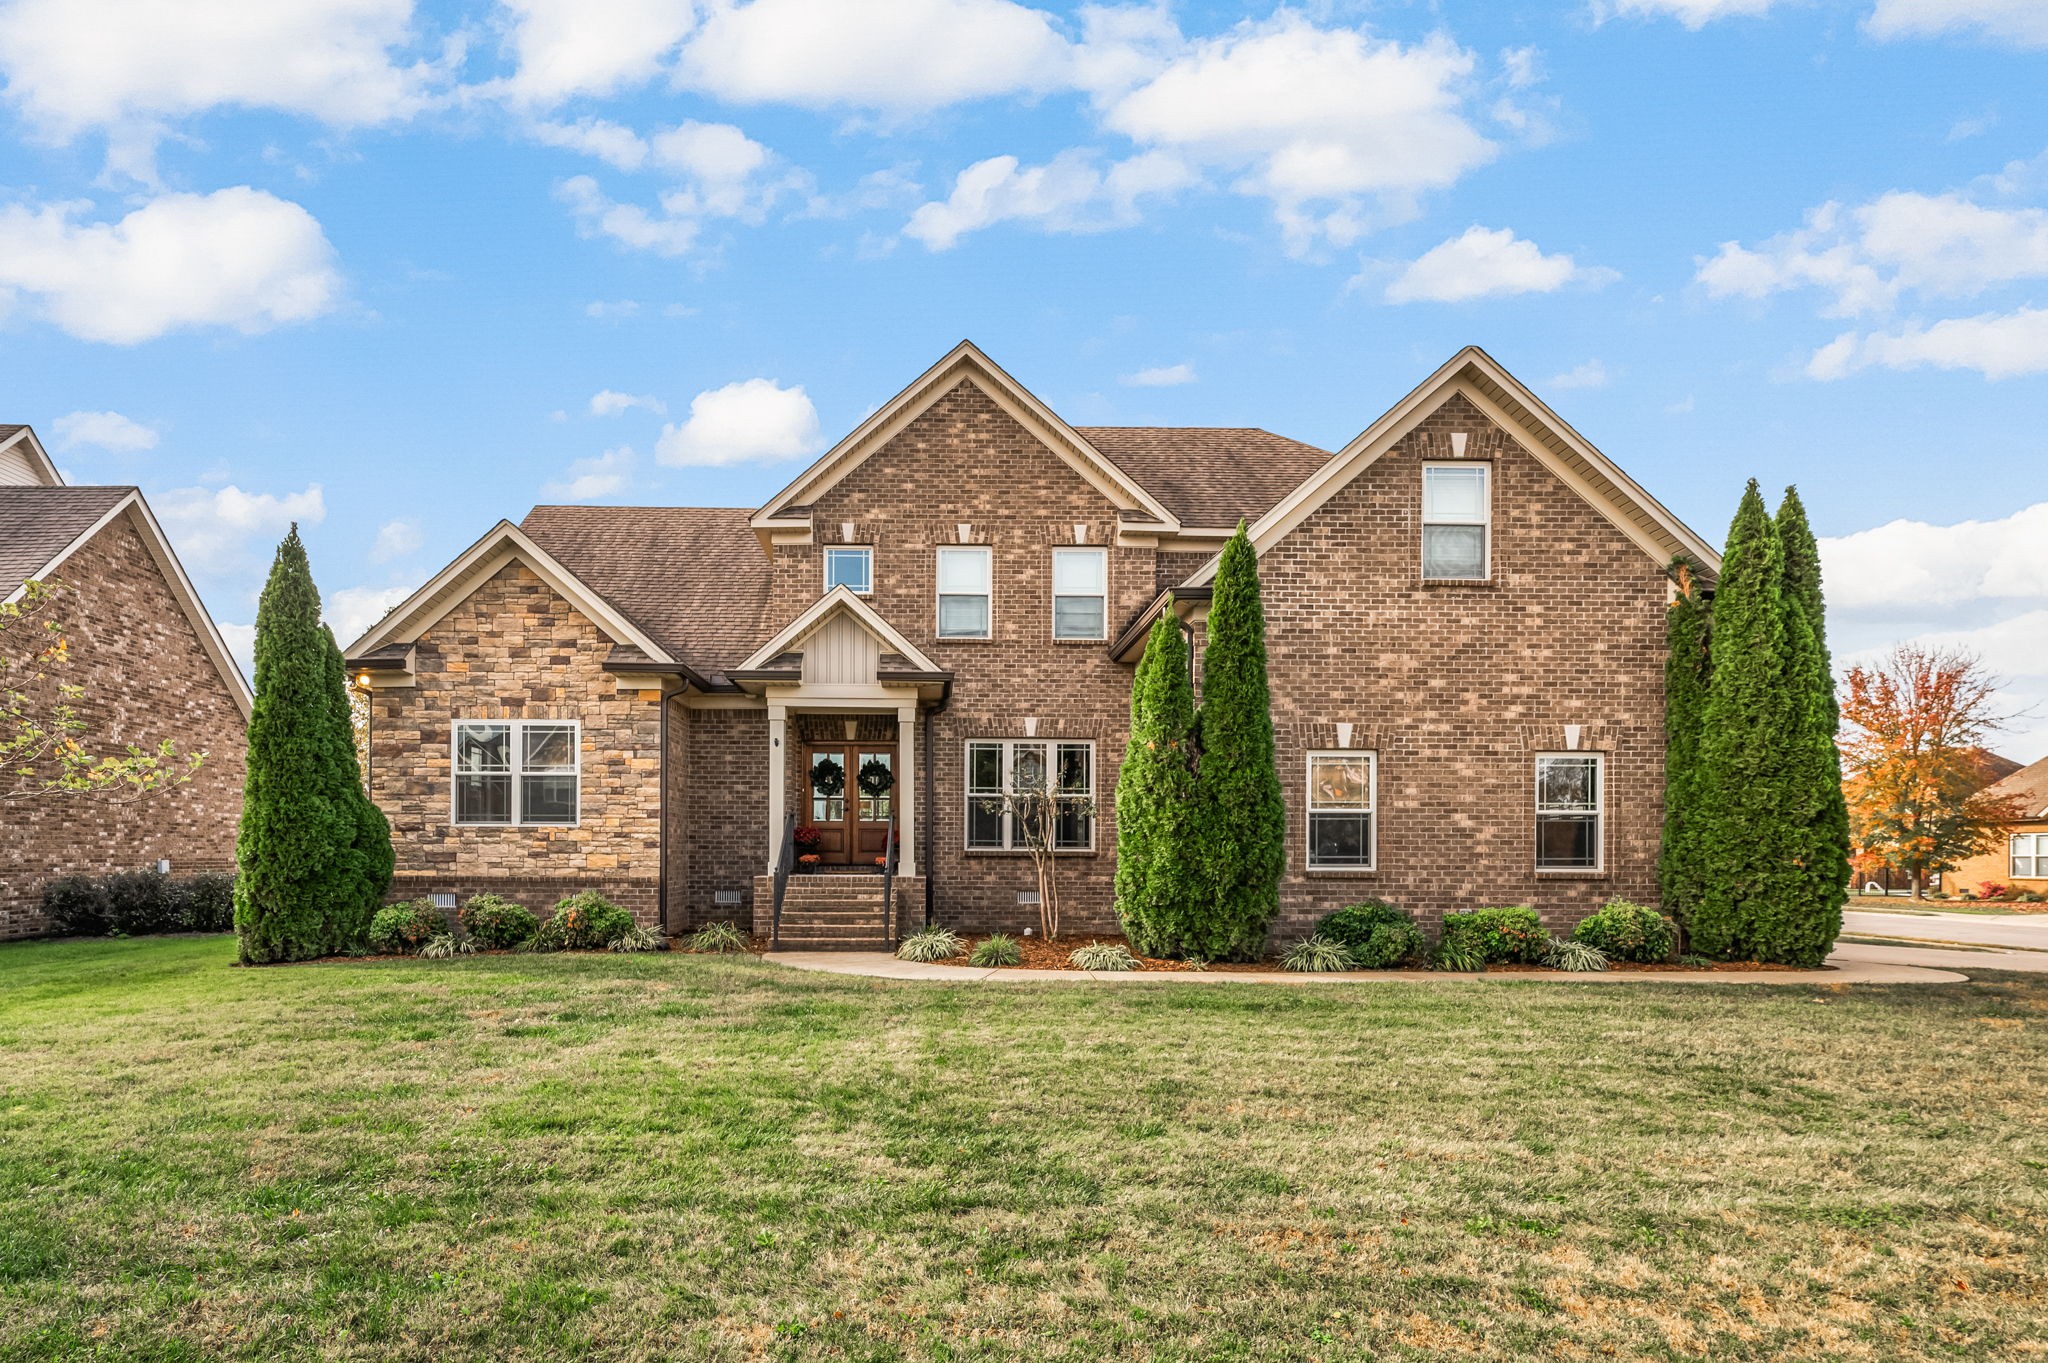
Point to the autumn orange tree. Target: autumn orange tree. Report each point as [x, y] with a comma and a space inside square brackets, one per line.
[1917, 721]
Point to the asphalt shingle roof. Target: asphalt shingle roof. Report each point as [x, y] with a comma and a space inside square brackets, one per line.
[1209, 476]
[37, 523]
[2030, 784]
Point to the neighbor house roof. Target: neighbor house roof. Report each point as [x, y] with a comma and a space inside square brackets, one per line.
[38, 524]
[1209, 476]
[2029, 785]
[693, 577]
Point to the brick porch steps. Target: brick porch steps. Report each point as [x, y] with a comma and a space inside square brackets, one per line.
[834, 913]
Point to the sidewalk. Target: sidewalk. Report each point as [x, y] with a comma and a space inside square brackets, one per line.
[1853, 968]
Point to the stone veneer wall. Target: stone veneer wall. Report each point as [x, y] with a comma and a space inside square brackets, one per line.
[516, 650]
[147, 678]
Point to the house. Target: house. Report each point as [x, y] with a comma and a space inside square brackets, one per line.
[1466, 619]
[152, 665]
[2022, 861]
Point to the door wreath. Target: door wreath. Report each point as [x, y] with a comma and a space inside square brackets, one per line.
[828, 777]
[876, 779]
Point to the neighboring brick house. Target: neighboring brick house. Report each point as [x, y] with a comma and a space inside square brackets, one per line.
[153, 667]
[2021, 861]
[1465, 611]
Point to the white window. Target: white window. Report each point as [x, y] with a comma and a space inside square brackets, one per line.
[1018, 767]
[1341, 832]
[851, 566]
[964, 577]
[1457, 516]
[1080, 594]
[1568, 818]
[2030, 856]
[517, 771]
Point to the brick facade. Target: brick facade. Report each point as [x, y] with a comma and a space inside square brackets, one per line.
[147, 677]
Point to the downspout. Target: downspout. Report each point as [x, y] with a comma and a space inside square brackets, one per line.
[931, 847]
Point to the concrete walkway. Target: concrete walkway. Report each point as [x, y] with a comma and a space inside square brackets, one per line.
[1852, 969]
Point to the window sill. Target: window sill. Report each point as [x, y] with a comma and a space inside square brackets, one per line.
[1012, 852]
[943, 639]
[1356, 871]
[1458, 583]
[1097, 641]
[1570, 873]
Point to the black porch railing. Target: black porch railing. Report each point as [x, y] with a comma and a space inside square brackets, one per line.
[784, 860]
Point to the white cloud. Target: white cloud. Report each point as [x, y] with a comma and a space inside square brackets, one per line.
[211, 527]
[590, 479]
[1070, 193]
[241, 642]
[612, 143]
[610, 402]
[566, 48]
[1908, 566]
[753, 420]
[603, 311]
[628, 224]
[1320, 121]
[2024, 22]
[351, 611]
[1486, 264]
[719, 172]
[896, 57]
[103, 430]
[1161, 376]
[396, 539]
[1998, 346]
[234, 258]
[1591, 374]
[1694, 14]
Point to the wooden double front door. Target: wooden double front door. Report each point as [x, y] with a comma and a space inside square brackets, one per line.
[852, 795]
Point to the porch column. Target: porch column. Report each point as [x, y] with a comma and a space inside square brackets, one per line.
[778, 765]
[906, 787]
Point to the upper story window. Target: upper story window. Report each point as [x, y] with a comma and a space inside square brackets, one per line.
[1008, 782]
[1080, 593]
[965, 575]
[1457, 522]
[1568, 811]
[2029, 856]
[517, 771]
[851, 566]
[1341, 832]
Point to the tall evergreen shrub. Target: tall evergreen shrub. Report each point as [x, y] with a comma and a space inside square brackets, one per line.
[373, 858]
[1806, 927]
[1686, 670]
[1747, 789]
[1159, 882]
[1240, 818]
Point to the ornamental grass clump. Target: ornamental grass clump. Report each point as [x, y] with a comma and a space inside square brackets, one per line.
[1112, 956]
[637, 938]
[1318, 955]
[932, 944]
[1500, 936]
[1626, 932]
[1576, 956]
[583, 922]
[718, 939]
[996, 950]
[448, 946]
[497, 923]
[406, 926]
[1377, 935]
[1458, 955]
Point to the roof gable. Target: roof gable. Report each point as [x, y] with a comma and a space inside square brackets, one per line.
[834, 605]
[24, 461]
[964, 361]
[2028, 785]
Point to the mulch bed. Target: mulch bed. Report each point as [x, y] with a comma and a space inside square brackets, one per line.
[1042, 953]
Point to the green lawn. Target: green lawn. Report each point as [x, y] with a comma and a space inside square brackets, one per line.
[678, 1157]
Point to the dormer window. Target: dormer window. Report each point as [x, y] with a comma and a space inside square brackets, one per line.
[851, 566]
[1457, 522]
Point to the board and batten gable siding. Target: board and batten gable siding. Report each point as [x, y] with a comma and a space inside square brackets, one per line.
[1458, 686]
[841, 651]
[17, 469]
[515, 649]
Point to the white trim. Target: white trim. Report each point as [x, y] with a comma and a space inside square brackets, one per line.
[839, 598]
[38, 457]
[964, 361]
[1052, 745]
[825, 554]
[2039, 856]
[939, 594]
[1599, 761]
[503, 543]
[1371, 810]
[1463, 374]
[516, 757]
[1485, 521]
[1101, 556]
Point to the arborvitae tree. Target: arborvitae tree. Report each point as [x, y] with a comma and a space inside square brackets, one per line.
[1747, 789]
[1688, 626]
[1806, 927]
[1159, 878]
[1240, 820]
[371, 858]
[296, 848]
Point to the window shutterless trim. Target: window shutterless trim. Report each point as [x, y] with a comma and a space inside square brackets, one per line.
[1485, 521]
[1009, 746]
[866, 551]
[1598, 813]
[2037, 856]
[987, 594]
[1101, 557]
[515, 771]
[1370, 810]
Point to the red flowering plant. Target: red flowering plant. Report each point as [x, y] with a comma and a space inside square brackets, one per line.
[808, 837]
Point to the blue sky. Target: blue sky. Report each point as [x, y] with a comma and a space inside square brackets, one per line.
[398, 270]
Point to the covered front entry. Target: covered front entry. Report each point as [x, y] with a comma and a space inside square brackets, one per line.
[852, 803]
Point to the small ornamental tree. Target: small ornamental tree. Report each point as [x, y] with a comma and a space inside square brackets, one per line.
[1240, 823]
[1748, 852]
[1808, 925]
[1688, 625]
[1158, 879]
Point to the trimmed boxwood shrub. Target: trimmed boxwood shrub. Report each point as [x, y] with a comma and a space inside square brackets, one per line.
[1376, 935]
[210, 903]
[406, 926]
[140, 903]
[77, 906]
[496, 922]
[1627, 932]
[583, 922]
[1512, 934]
